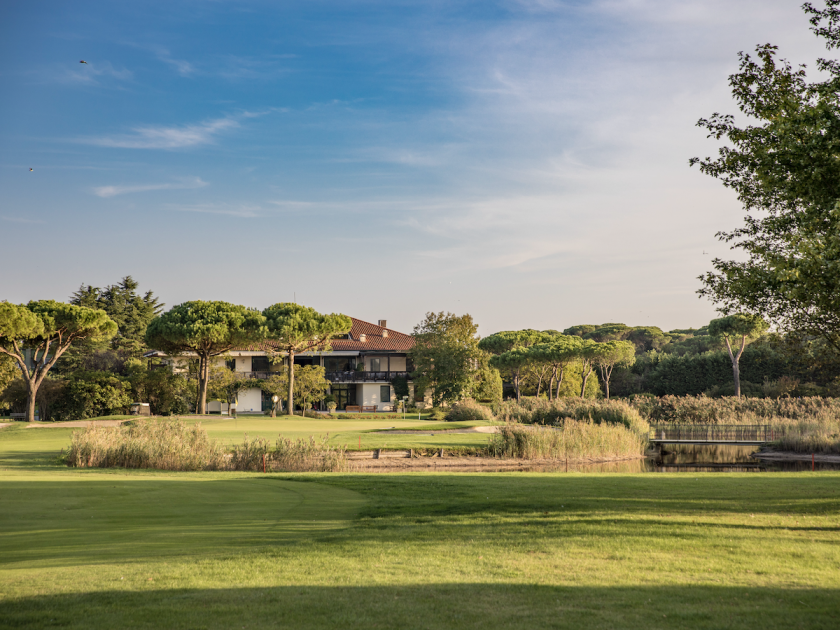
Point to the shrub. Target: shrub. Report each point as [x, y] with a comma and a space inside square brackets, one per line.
[572, 439]
[468, 411]
[436, 413]
[164, 445]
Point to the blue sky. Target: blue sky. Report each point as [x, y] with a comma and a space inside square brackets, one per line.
[525, 162]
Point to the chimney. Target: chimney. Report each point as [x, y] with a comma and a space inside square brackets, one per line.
[363, 337]
[383, 323]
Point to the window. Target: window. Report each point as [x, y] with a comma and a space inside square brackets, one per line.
[260, 364]
[231, 364]
[385, 393]
[339, 364]
[374, 365]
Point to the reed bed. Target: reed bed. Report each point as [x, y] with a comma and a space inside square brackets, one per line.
[731, 410]
[542, 411]
[806, 425]
[163, 445]
[171, 444]
[310, 455]
[573, 439]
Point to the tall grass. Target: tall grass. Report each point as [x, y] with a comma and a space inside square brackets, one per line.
[731, 410]
[164, 445]
[542, 411]
[807, 425]
[310, 455]
[171, 444]
[574, 439]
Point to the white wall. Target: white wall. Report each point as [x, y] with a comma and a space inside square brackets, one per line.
[250, 400]
[368, 394]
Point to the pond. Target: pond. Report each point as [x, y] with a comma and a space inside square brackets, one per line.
[682, 458]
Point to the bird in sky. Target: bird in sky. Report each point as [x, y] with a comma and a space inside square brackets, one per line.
[30, 170]
[83, 61]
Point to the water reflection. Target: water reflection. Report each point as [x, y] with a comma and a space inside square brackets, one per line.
[691, 458]
[723, 458]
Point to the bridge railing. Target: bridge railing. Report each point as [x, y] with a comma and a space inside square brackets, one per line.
[713, 432]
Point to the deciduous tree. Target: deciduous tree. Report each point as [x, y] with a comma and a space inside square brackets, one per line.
[46, 328]
[205, 329]
[446, 356]
[785, 173]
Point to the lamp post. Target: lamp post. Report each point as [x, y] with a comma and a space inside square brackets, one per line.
[405, 404]
[274, 400]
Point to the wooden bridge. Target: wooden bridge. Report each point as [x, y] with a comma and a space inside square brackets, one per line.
[747, 434]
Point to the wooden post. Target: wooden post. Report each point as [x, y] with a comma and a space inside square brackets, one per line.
[812, 462]
[376, 453]
[263, 462]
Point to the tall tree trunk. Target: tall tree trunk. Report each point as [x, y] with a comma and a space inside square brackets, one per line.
[516, 384]
[583, 385]
[736, 363]
[202, 384]
[551, 383]
[30, 404]
[559, 383]
[291, 382]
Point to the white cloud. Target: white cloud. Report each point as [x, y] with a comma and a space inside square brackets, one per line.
[112, 191]
[161, 137]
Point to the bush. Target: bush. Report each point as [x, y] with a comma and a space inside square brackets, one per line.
[436, 413]
[468, 411]
[164, 445]
[573, 439]
[93, 394]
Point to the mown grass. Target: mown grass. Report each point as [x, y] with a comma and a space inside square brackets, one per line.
[140, 549]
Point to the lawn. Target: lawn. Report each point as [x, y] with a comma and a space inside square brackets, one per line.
[144, 549]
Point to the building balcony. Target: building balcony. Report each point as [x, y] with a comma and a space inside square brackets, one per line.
[346, 377]
[365, 377]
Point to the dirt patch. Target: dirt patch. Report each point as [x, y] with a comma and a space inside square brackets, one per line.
[5, 424]
[75, 424]
[439, 431]
[387, 464]
[790, 456]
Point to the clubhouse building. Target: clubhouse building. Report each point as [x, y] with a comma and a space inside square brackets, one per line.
[360, 367]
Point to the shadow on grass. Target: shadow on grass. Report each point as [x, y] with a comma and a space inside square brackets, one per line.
[468, 606]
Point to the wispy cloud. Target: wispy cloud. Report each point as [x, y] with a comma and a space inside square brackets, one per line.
[238, 211]
[181, 66]
[113, 191]
[162, 137]
[174, 137]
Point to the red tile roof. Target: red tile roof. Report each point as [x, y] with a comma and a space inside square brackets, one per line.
[374, 340]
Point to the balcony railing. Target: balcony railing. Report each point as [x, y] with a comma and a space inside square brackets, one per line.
[365, 377]
[346, 377]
